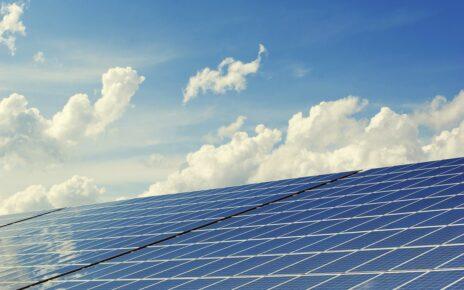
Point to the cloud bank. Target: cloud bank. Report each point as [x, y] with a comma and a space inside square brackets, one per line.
[77, 190]
[230, 75]
[26, 136]
[331, 137]
[11, 25]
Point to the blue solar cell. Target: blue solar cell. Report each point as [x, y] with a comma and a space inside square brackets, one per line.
[259, 247]
[330, 242]
[392, 259]
[402, 238]
[365, 240]
[304, 282]
[139, 284]
[412, 219]
[230, 283]
[378, 222]
[166, 284]
[183, 267]
[276, 264]
[388, 281]
[350, 261]
[312, 263]
[210, 267]
[450, 202]
[451, 190]
[420, 204]
[196, 284]
[242, 266]
[434, 280]
[344, 225]
[283, 246]
[455, 262]
[433, 258]
[456, 285]
[265, 283]
[440, 236]
[344, 281]
[444, 217]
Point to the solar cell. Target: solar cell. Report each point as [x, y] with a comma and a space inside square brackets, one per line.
[381, 228]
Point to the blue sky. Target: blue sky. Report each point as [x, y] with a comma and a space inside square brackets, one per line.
[399, 54]
[389, 51]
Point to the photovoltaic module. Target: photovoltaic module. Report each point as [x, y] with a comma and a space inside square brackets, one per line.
[399, 227]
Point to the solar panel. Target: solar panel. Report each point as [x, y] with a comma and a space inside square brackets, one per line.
[54, 243]
[395, 227]
[7, 220]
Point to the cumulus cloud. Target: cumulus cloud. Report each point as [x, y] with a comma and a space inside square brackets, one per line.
[77, 190]
[27, 136]
[226, 131]
[441, 113]
[11, 25]
[23, 135]
[230, 75]
[331, 137]
[232, 128]
[39, 57]
[80, 118]
[343, 142]
[213, 166]
[447, 143]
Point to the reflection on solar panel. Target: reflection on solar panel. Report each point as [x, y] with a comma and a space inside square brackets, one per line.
[62, 241]
[396, 227]
[7, 220]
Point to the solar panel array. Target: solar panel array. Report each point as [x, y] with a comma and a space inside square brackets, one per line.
[50, 244]
[398, 227]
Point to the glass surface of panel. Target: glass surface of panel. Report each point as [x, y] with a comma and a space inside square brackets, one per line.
[399, 226]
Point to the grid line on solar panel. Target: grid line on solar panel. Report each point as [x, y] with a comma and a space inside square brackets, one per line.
[325, 259]
[154, 282]
[385, 248]
[120, 212]
[12, 219]
[73, 260]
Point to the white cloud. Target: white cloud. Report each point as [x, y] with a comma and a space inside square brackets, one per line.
[80, 118]
[77, 190]
[440, 113]
[332, 137]
[39, 57]
[229, 75]
[22, 133]
[447, 143]
[232, 128]
[226, 131]
[342, 142]
[27, 137]
[11, 25]
[213, 166]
